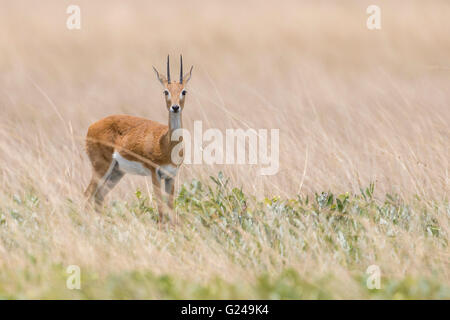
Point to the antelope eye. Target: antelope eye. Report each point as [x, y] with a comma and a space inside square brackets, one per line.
[183, 92]
[166, 92]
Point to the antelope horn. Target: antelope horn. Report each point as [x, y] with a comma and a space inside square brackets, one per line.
[181, 68]
[168, 70]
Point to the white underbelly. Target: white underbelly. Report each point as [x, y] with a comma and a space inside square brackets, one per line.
[131, 167]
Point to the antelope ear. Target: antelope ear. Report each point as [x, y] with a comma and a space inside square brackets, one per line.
[160, 77]
[187, 76]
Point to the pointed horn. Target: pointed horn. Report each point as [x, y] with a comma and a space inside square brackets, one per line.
[168, 69]
[181, 68]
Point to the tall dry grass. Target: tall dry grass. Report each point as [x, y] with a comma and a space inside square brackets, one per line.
[353, 106]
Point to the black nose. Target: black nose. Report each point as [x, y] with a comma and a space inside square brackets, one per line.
[175, 108]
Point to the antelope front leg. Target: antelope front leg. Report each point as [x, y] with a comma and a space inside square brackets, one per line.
[157, 191]
[167, 173]
[169, 188]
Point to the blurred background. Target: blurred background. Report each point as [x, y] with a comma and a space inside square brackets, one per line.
[353, 105]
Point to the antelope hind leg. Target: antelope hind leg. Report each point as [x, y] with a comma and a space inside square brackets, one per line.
[107, 183]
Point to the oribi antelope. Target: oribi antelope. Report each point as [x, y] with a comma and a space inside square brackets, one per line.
[121, 144]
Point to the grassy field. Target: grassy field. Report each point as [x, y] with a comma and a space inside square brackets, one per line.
[364, 150]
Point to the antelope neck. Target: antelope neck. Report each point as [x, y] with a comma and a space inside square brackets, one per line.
[174, 124]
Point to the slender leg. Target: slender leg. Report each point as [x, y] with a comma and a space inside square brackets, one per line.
[156, 181]
[100, 157]
[169, 188]
[109, 182]
[92, 187]
[97, 175]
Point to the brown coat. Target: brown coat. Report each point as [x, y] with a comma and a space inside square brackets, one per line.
[136, 139]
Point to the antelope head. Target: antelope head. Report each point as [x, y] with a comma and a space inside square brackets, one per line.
[174, 91]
